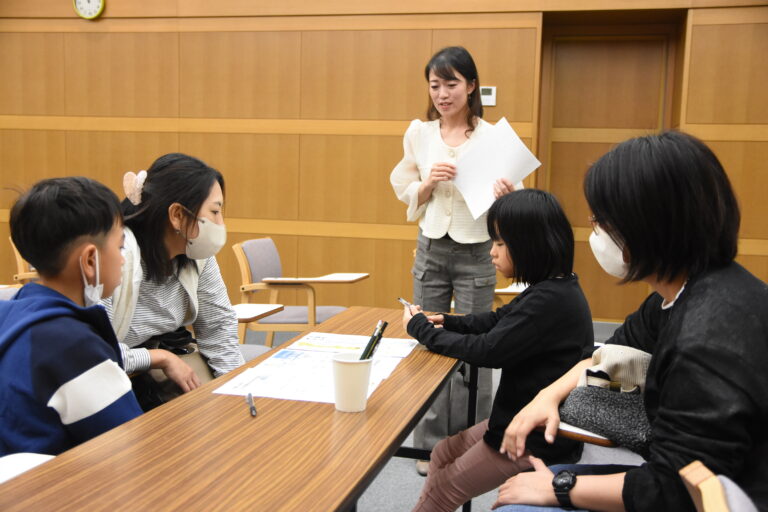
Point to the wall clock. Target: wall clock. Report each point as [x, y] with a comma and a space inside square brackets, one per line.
[89, 9]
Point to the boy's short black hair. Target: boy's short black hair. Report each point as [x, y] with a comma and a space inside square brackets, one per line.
[537, 234]
[54, 213]
[668, 201]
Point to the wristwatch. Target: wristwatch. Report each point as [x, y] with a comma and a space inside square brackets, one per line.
[563, 482]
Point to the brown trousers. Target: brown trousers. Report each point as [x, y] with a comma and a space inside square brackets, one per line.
[464, 466]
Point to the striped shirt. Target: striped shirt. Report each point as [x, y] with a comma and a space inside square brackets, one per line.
[163, 308]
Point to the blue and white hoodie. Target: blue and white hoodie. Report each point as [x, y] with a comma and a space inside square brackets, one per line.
[61, 376]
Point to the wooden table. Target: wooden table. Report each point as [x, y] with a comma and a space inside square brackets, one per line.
[205, 452]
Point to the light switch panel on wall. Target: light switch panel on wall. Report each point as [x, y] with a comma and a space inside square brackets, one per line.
[488, 95]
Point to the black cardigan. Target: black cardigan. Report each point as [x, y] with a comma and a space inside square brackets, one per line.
[534, 339]
[706, 392]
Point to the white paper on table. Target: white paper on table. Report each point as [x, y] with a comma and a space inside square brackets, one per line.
[299, 375]
[305, 370]
[337, 343]
[499, 154]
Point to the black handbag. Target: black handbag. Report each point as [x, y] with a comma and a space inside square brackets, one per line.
[152, 388]
[609, 398]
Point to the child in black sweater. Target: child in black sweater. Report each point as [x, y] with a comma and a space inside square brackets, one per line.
[533, 339]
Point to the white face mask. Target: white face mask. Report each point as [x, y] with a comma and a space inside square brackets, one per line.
[92, 293]
[608, 254]
[210, 239]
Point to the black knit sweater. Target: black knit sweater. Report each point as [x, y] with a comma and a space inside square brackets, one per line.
[706, 392]
[534, 339]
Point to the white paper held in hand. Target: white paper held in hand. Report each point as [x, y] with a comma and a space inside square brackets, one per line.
[498, 154]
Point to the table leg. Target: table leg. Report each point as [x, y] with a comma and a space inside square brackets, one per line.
[472, 405]
[471, 414]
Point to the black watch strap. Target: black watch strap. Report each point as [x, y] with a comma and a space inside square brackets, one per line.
[562, 483]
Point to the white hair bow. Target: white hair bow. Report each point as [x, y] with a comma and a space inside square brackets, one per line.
[133, 184]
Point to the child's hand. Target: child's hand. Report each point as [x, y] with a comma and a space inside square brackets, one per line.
[437, 320]
[408, 313]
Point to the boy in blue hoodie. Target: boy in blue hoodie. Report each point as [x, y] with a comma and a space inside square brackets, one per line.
[61, 376]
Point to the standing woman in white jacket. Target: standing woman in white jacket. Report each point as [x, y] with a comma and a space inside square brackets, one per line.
[453, 250]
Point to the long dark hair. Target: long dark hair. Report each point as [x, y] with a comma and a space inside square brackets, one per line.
[444, 64]
[667, 200]
[537, 234]
[172, 178]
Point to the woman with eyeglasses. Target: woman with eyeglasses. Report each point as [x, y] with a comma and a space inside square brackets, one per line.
[665, 214]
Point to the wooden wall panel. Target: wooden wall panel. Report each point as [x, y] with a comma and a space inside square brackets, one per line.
[261, 172]
[33, 73]
[609, 84]
[372, 74]
[131, 74]
[505, 58]
[106, 156]
[607, 299]
[725, 102]
[570, 162]
[59, 9]
[388, 261]
[758, 265]
[206, 8]
[355, 168]
[728, 74]
[27, 157]
[599, 88]
[240, 74]
[7, 260]
[745, 163]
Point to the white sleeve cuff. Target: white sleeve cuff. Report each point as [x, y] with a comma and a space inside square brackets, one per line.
[414, 211]
[135, 359]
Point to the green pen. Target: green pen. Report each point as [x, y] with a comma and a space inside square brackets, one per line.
[369, 346]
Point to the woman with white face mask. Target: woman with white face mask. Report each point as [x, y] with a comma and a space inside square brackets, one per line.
[174, 228]
[665, 214]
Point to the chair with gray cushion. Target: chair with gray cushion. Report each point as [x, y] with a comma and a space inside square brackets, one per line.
[252, 351]
[714, 493]
[259, 259]
[604, 330]
[25, 273]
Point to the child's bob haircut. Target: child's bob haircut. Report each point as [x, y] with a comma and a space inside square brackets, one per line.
[55, 213]
[667, 200]
[536, 232]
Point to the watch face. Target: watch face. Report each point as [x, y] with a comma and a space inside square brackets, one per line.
[564, 480]
[88, 9]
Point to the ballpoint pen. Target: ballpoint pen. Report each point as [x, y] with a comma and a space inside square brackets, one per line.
[251, 405]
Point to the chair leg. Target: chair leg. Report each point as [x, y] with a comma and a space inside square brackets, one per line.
[270, 338]
[242, 330]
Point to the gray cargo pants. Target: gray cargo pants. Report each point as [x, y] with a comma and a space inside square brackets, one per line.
[444, 269]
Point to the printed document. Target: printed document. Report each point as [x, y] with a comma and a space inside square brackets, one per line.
[499, 154]
[304, 371]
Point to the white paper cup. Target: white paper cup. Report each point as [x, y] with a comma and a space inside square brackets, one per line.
[350, 382]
